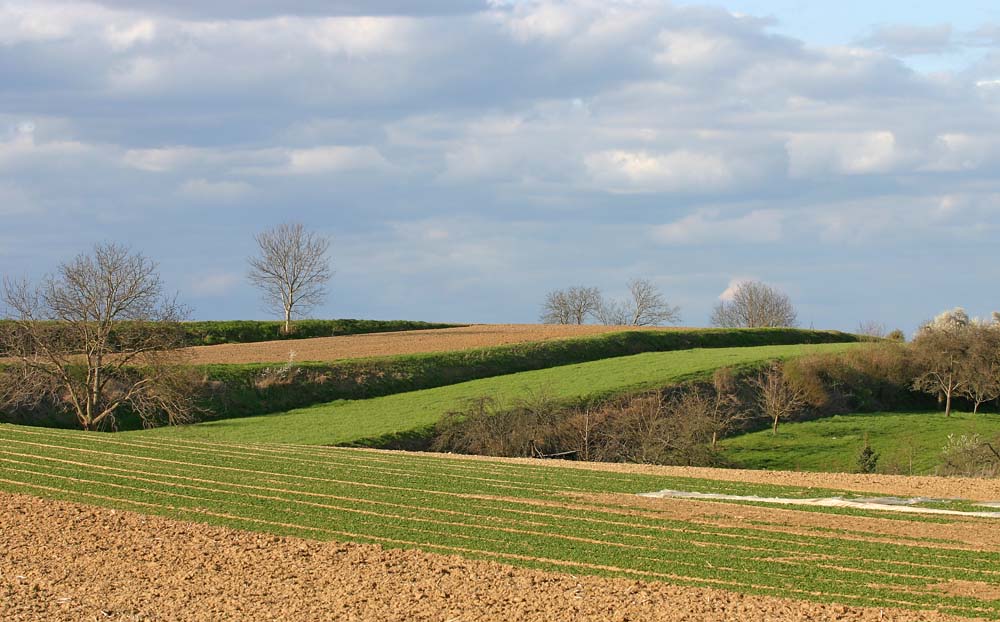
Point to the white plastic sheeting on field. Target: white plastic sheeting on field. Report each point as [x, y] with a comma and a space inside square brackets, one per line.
[889, 504]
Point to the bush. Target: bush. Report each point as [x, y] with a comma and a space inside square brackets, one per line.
[864, 379]
[671, 426]
[969, 455]
[867, 458]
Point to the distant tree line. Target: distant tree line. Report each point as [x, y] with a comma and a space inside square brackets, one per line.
[751, 304]
[645, 305]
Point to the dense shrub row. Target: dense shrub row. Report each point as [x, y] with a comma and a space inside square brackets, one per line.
[246, 390]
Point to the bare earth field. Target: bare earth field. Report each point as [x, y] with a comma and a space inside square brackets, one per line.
[64, 561]
[395, 343]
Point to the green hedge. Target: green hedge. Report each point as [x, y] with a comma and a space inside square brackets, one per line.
[254, 389]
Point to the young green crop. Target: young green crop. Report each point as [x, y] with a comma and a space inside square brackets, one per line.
[544, 516]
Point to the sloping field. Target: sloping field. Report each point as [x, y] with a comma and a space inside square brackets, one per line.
[906, 442]
[395, 343]
[541, 516]
[403, 413]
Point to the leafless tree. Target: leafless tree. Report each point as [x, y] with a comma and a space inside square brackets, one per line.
[981, 368]
[291, 269]
[871, 328]
[724, 409]
[570, 306]
[941, 350]
[778, 398]
[97, 336]
[755, 305]
[645, 306]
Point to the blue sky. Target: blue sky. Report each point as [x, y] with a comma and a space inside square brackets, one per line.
[466, 156]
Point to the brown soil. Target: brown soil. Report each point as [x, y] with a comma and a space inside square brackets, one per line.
[971, 589]
[64, 561]
[390, 344]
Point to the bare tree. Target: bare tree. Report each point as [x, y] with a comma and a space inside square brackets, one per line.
[97, 336]
[754, 305]
[982, 367]
[570, 306]
[291, 270]
[941, 349]
[645, 306]
[724, 410]
[778, 398]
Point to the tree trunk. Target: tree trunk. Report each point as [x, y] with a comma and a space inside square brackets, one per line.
[774, 428]
[288, 320]
[947, 404]
[715, 438]
[975, 409]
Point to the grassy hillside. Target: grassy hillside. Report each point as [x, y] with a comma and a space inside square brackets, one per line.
[904, 440]
[406, 413]
[548, 517]
[239, 392]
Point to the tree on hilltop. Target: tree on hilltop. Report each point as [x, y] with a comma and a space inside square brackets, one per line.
[291, 269]
[755, 305]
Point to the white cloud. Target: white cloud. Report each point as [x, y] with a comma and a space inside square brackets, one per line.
[707, 226]
[694, 49]
[642, 171]
[25, 149]
[362, 36]
[162, 159]
[331, 159]
[121, 38]
[842, 153]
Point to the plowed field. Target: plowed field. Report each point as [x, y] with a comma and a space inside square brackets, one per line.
[126, 566]
[391, 344]
[629, 557]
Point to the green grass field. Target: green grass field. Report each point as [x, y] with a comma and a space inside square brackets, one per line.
[348, 421]
[908, 442]
[550, 517]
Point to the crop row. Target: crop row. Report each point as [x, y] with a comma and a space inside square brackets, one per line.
[553, 518]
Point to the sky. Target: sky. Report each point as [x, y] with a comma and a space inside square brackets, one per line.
[467, 156]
